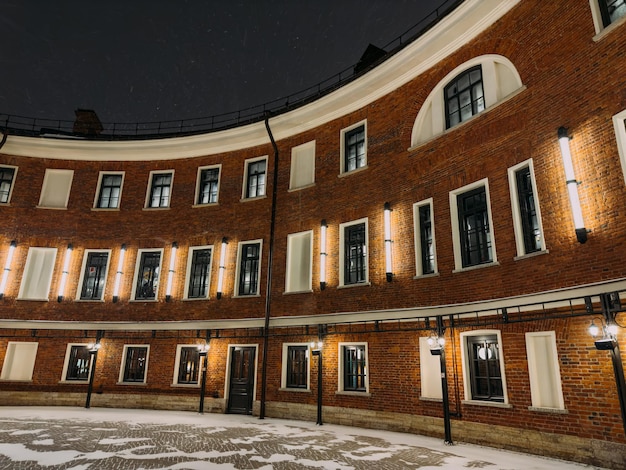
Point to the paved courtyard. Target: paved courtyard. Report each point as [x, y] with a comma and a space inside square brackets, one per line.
[98, 438]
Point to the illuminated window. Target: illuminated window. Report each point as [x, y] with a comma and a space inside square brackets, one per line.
[37, 275]
[19, 361]
[302, 166]
[148, 271]
[353, 368]
[299, 262]
[77, 363]
[94, 273]
[187, 365]
[55, 192]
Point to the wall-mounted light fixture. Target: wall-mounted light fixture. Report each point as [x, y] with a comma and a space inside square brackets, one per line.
[388, 241]
[170, 273]
[572, 185]
[65, 272]
[7, 267]
[118, 274]
[323, 254]
[222, 268]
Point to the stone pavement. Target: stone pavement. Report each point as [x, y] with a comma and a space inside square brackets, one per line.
[98, 438]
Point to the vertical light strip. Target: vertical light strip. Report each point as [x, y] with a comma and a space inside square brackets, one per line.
[222, 268]
[7, 267]
[118, 274]
[65, 272]
[170, 273]
[323, 254]
[572, 185]
[388, 262]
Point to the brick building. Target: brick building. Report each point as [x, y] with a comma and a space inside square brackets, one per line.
[457, 206]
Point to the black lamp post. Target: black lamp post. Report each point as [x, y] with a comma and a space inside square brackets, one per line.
[318, 352]
[203, 350]
[437, 343]
[93, 353]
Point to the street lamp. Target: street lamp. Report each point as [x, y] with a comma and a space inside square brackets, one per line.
[203, 349]
[436, 341]
[93, 354]
[316, 350]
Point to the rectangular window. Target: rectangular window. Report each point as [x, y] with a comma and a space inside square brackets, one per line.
[296, 358]
[109, 191]
[249, 268]
[302, 166]
[159, 193]
[464, 96]
[299, 262]
[354, 147]
[77, 363]
[353, 256]
[94, 274]
[134, 364]
[485, 377]
[619, 125]
[7, 176]
[526, 215]
[430, 372]
[187, 365]
[55, 192]
[543, 369]
[424, 238]
[353, 367]
[199, 272]
[208, 185]
[148, 270]
[37, 275]
[611, 10]
[19, 361]
[254, 180]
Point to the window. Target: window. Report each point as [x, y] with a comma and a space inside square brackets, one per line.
[134, 364]
[464, 96]
[424, 238]
[94, 274]
[353, 367]
[526, 215]
[7, 176]
[37, 275]
[199, 272]
[254, 178]
[483, 367]
[353, 255]
[160, 189]
[77, 363]
[249, 268]
[354, 147]
[187, 370]
[611, 10]
[295, 366]
[19, 361]
[430, 372]
[207, 189]
[619, 124]
[302, 166]
[109, 191]
[471, 232]
[543, 368]
[55, 191]
[148, 270]
[299, 262]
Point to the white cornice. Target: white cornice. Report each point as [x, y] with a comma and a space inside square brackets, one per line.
[467, 21]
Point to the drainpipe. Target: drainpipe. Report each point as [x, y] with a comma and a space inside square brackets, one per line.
[5, 134]
[268, 290]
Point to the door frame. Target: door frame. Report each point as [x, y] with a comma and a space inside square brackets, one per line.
[228, 365]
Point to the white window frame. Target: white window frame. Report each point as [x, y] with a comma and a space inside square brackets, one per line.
[38, 270]
[238, 270]
[619, 124]
[517, 216]
[342, 148]
[467, 387]
[342, 254]
[66, 363]
[456, 236]
[283, 376]
[340, 370]
[430, 372]
[198, 184]
[82, 275]
[175, 382]
[598, 24]
[188, 271]
[136, 274]
[59, 182]
[123, 364]
[419, 271]
[246, 167]
[294, 267]
[302, 156]
[19, 361]
[546, 390]
[14, 168]
[96, 198]
[149, 191]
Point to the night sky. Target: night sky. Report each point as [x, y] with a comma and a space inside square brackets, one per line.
[143, 61]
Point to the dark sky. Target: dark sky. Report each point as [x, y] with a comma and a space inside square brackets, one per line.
[153, 60]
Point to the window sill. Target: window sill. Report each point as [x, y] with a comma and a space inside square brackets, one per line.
[89, 300]
[493, 404]
[33, 300]
[192, 386]
[144, 300]
[156, 208]
[299, 188]
[195, 299]
[17, 380]
[297, 390]
[248, 199]
[208, 204]
[531, 255]
[437, 400]
[105, 209]
[425, 276]
[246, 296]
[351, 172]
[309, 291]
[556, 411]
[74, 382]
[609, 29]
[358, 284]
[478, 266]
[353, 394]
[52, 208]
[141, 384]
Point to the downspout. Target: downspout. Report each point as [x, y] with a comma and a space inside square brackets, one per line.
[268, 291]
[5, 134]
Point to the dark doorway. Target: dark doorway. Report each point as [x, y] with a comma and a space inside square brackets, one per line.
[241, 379]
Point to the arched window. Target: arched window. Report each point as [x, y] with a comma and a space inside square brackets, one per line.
[464, 96]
